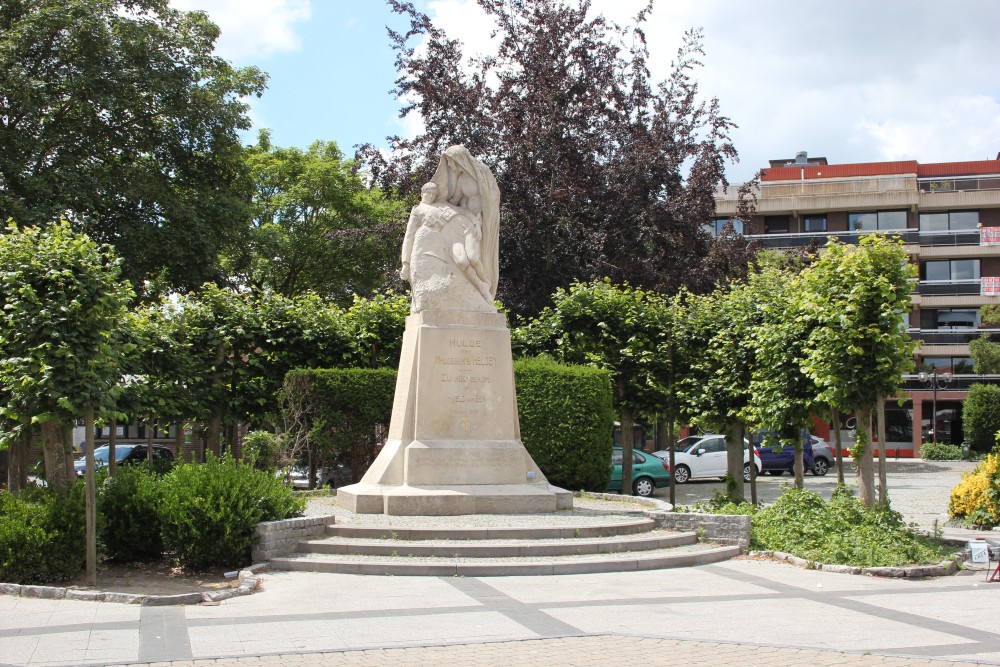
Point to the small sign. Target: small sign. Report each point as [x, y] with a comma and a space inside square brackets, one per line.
[989, 236]
[991, 286]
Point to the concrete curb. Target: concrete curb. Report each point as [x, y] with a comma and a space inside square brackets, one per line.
[942, 569]
[249, 583]
[649, 503]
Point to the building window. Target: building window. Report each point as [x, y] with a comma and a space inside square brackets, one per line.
[950, 270]
[715, 227]
[776, 224]
[953, 365]
[949, 318]
[949, 221]
[872, 221]
[814, 223]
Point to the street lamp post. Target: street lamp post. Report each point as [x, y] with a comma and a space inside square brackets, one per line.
[934, 381]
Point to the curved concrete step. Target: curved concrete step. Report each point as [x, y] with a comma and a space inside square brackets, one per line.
[501, 549]
[629, 527]
[685, 556]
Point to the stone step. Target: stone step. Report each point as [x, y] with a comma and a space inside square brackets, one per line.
[627, 527]
[657, 559]
[505, 548]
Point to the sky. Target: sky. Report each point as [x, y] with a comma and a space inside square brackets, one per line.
[851, 80]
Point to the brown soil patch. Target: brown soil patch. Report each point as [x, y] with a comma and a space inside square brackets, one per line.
[153, 579]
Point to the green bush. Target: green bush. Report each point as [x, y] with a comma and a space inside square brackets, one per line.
[209, 511]
[262, 450]
[129, 504]
[42, 536]
[842, 531]
[940, 451]
[981, 416]
[566, 421]
[341, 410]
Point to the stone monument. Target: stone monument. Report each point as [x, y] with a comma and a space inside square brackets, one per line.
[454, 443]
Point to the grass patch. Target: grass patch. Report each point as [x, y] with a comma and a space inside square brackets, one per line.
[840, 531]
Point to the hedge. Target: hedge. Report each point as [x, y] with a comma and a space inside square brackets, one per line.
[566, 421]
[41, 535]
[981, 416]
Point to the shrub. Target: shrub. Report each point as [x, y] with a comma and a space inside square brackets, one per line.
[940, 451]
[976, 499]
[42, 536]
[262, 450]
[566, 421]
[981, 416]
[340, 411]
[129, 503]
[209, 511]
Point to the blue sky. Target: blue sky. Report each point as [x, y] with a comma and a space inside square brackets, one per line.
[854, 80]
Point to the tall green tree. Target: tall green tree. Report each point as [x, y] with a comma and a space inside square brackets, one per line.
[614, 327]
[316, 226]
[858, 296]
[602, 171]
[117, 115]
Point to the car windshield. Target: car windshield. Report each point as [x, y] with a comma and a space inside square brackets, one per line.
[685, 443]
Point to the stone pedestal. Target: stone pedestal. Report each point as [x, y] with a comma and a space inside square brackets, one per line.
[454, 444]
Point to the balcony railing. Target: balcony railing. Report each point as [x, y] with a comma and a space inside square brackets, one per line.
[824, 187]
[799, 239]
[950, 238]
[957, 383]
[949, 287]
[964, 184]
[952, 336]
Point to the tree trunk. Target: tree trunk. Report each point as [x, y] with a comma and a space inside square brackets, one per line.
[91, 496]
[835, 419]
[54, 451]
[17, 462]
[179, 441]
[112, 443]
[798, 463]
[214, 437]
[753, 472]
[627, 439]
[883, 489]
[150, 430]
[670, 448]
[734, 461]
[866, 467]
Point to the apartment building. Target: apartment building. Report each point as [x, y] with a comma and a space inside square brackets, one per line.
[948, 215]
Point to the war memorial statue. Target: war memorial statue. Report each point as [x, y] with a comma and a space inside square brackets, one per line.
[454, 443]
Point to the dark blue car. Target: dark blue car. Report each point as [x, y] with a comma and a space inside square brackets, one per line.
[776, 458]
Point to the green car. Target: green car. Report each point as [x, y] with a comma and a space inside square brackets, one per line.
[648, 472]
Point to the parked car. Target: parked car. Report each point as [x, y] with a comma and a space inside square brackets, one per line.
[126, 453]
[648, 472]
[700, 456]
[823, 456]
[333, 477]
[777, 458]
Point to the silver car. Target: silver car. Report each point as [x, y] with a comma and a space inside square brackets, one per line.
[823, 456]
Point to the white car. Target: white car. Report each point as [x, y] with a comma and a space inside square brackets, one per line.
[699, 456]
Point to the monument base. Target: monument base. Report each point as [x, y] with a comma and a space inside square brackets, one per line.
[451, 500]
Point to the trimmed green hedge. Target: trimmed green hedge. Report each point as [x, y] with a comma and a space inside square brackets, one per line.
[341, 408]
[981, 416]
[41, 535]
[940, 451]
[130, 502]
[566, 421]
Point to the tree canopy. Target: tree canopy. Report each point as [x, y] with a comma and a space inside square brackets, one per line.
[603, 173]
[117, 115]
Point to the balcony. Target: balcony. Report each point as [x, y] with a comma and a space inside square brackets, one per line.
[952, 336]
[958, 382]
[801, 239]
[961, 184]
[949, 287]
[950, 238]
[826, 194]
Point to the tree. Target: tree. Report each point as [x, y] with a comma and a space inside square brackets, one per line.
[616, 328]
[985, 355]
[603, 173]
[859, 348]
[316, 227]
[116, 115]
[61, 302]
[981, 416]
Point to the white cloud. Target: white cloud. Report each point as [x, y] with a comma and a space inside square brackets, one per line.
[252, 28]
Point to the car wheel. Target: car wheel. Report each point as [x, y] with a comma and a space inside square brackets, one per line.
[776, 473]
[820, 467]
[643, 487]
[682, 474]
[746, 472]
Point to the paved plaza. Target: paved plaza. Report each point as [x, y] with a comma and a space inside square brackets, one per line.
[741, 611]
